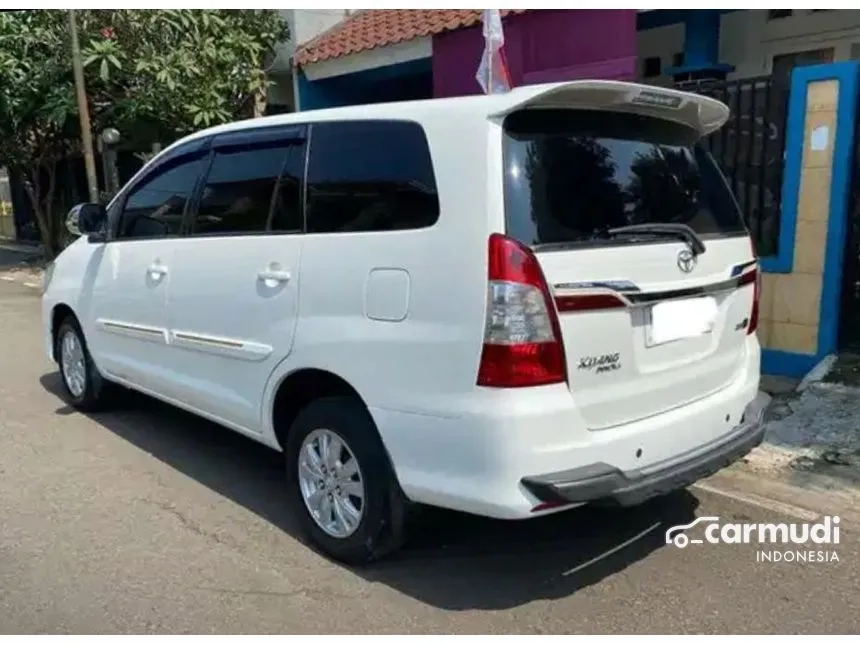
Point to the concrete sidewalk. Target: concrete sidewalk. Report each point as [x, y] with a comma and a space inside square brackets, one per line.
[814, 427]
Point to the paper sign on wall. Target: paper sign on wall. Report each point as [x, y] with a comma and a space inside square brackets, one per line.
[820, 138]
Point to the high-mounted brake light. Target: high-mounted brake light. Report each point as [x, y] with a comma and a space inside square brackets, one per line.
[522, 338]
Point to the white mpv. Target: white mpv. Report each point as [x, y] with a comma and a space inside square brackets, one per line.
[506, 305]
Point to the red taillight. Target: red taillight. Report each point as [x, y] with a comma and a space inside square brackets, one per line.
[588, 302]
[522, 338]
[751, 328]
[754, 313]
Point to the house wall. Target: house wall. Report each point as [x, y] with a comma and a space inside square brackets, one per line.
[800, 299]
[281, 92]
[749, 41]
[660, 42]
[541, 46]
[790, 312]
[304, 24]
[398, 82]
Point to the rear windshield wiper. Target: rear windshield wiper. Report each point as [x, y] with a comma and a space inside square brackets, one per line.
[681, 231]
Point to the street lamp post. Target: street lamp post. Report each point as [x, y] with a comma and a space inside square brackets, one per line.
[83, 111]
[108, 140]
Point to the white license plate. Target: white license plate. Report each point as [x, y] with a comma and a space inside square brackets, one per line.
[678, 319]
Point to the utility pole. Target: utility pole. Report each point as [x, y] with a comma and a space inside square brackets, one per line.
[83, 110]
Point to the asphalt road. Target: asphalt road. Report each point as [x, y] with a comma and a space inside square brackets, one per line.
[149, 520]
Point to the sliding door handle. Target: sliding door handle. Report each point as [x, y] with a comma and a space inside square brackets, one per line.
[274, 275]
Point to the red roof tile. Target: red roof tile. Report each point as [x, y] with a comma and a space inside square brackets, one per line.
[372, 28]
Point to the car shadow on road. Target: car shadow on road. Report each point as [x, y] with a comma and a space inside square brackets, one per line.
[451, 560]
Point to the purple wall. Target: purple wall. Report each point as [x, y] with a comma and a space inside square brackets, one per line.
[542, 46]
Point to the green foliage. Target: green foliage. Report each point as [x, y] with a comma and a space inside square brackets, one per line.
[37, 106]
[152, 74]
[37, 97]
[156, 74]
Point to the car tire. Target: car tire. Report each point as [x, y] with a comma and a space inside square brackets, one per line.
[85, 388]
[332, 526]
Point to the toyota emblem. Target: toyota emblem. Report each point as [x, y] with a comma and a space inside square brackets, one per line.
[686, 261]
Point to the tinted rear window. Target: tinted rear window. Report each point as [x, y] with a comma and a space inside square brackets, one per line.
[572, 174]
[370, 176]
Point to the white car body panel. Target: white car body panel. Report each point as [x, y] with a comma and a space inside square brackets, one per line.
[400, 316]
[229, 326]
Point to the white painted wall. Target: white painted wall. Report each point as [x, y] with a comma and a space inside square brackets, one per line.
[304, 24]
[664, 42]
[749, 41]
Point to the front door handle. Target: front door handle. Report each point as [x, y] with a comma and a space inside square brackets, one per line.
[274, 275]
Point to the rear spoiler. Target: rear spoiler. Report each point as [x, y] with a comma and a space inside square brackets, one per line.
[701, 113]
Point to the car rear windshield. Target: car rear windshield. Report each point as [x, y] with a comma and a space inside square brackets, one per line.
[570, 175]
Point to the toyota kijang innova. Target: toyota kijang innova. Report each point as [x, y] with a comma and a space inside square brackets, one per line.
[507, 305]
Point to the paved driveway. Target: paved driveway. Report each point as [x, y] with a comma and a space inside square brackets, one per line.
[149, 520]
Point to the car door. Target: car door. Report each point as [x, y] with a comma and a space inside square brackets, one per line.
[127, 316]
[235, 279]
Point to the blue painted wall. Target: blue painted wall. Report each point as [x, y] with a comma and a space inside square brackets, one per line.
[783, 261]
[701, 41]
[848, 76]
[401, 82]
[317, 95]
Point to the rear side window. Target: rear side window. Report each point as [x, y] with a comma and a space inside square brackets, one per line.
[239, 194]
[572, 174]
[370, 176]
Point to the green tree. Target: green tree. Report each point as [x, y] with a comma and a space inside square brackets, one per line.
[37, 106]
[152, 74]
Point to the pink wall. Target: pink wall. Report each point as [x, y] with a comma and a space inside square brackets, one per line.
[542, 46]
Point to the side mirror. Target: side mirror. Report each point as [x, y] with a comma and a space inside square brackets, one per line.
[87, 218]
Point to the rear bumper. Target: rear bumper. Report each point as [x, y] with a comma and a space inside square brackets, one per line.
[502, 453]
[602, 482]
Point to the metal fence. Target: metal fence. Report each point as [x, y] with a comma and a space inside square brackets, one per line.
[750, 149]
